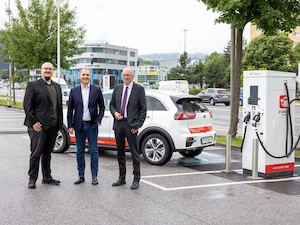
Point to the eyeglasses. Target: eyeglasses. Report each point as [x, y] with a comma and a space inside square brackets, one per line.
[47, 68]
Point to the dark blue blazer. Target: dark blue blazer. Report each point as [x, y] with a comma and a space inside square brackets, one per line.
[75, 107]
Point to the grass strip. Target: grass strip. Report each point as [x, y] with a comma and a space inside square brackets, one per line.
[237, 141]
[11, 104]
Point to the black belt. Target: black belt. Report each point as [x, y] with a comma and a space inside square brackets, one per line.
[86, 122]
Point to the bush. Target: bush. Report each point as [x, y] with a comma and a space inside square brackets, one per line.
[194, 91]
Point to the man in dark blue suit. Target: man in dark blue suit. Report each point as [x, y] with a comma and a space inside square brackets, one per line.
[85, 112]
[128, 107]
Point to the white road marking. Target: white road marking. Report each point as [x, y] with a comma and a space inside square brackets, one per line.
[219, 184]
[143, 179]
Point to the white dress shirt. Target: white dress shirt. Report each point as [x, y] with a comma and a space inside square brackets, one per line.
[128, 95]
[85, 92]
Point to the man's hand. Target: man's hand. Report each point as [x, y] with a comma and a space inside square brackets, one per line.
[118, 116]
[71, 130]
[37, 127]
[134, 131]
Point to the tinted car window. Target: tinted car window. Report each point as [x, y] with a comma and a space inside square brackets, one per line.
[223, 92]
[210, 91]
[191, 105]
[154, 104]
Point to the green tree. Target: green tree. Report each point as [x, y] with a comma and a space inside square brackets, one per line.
[196, 75]
[227, 49]
[270, 16]
[32, 37]
[4, 74]
[215, 70]
[182, 71]
[185, 61]
[269, 52]
[295, 58]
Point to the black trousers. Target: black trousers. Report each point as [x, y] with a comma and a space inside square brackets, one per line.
[41, 146]
[122, 131]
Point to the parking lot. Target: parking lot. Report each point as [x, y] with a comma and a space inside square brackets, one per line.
[183, 191]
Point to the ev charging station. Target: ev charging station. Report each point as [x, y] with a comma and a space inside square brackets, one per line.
[269, 117]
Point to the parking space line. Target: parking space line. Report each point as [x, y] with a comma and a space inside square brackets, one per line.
[154, 185]
[186, 174]
[210, 185]
[227, 184]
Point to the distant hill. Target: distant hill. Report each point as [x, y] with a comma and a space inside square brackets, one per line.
[171, 56]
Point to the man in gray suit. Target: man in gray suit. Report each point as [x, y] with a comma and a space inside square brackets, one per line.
[128, 107]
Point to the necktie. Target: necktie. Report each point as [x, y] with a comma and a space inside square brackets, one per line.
[124, 102]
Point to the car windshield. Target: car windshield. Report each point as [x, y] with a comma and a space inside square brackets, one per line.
[223, 92]
[191, 105]
[64, 86]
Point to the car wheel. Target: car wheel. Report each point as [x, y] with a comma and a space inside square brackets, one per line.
[227, 103]
[191, 153]
[241, 103]
[156, 150]
[62, 142]
[212, 101]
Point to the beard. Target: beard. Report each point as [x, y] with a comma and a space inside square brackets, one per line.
[47, 78]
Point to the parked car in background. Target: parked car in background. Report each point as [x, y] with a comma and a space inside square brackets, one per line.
[174, 85]
[174, 122]
[17, 86]
[241, 96]
[65, 90]
[215, 95]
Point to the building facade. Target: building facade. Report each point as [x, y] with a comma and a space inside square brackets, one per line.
[102, 59]
[151, 74]
[294, 36]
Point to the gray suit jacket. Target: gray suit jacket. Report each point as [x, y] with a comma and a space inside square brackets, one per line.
[136, 107]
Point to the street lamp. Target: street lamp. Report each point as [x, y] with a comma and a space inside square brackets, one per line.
[58, 41]
[185, 30]
[9, 65]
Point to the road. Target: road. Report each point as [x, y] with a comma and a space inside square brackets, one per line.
[184, 191]
[18, 93]
[221, 118]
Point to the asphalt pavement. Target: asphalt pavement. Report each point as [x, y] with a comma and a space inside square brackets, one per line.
[184, 191]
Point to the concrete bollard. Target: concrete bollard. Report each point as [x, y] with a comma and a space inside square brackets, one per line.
[255, 159]
[228, 154]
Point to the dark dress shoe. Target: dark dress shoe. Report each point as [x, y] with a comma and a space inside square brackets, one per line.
[51, 181]
[119, 182]
[94, 181]
[135, 185]
[31, 184]
[79, 181]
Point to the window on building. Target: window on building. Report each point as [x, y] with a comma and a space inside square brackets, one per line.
[132, 54]
[132, 63]
[122, 52]
[98, 50]
[297, 35]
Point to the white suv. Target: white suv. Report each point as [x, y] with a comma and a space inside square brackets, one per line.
[174, 122]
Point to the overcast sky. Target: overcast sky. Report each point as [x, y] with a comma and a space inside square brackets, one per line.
[151, 26]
